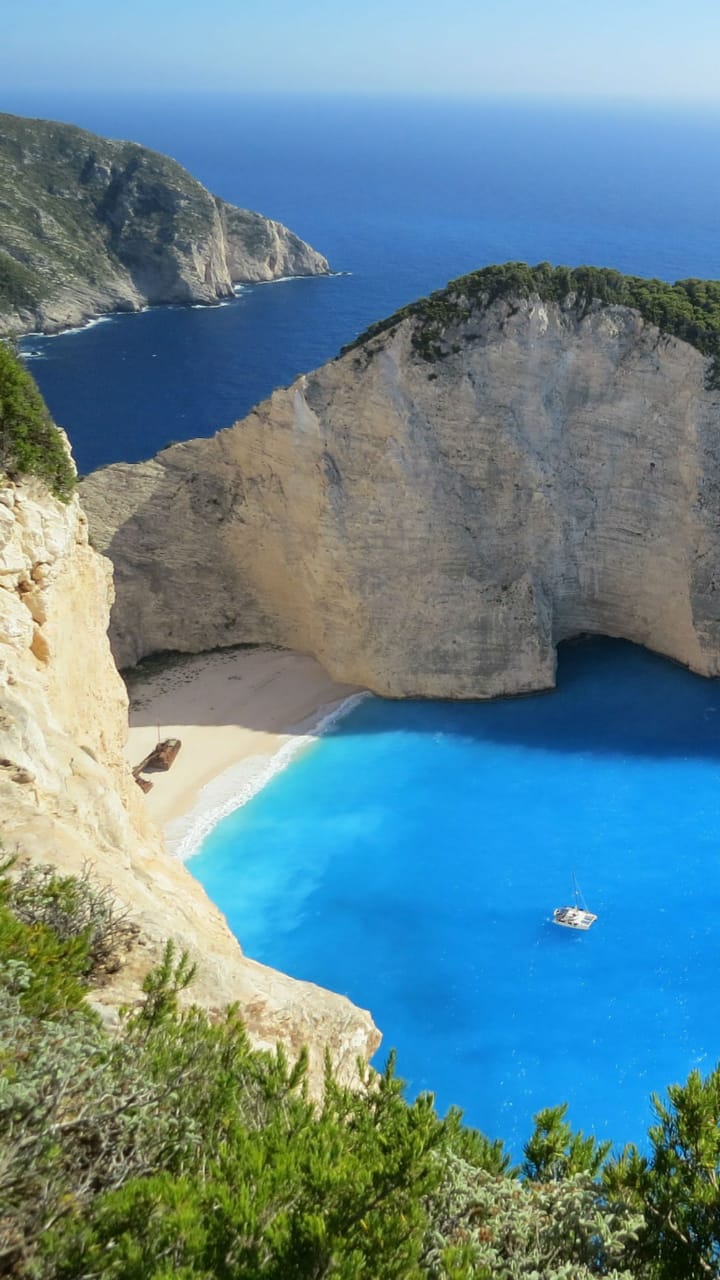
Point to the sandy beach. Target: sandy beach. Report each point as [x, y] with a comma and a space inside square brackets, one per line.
[240, 714]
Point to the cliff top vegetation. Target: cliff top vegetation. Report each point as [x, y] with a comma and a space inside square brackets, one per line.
[688, 309]
[30, 443]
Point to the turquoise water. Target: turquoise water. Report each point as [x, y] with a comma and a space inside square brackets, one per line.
[412, 858]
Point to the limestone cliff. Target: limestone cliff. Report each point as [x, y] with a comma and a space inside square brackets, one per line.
[67, 796]
[90, 225]
[480, 478]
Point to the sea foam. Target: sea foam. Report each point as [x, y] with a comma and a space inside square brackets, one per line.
[238, 784]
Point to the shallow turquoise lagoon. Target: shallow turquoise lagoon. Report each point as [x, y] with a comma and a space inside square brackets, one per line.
[412, 859]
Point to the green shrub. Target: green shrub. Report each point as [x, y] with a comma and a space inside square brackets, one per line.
[47, 975]
[18, 285]
[489, 1228]
[555, 1152]
[30, 443]
[73, 907]
[677, 1185]
[43, 972]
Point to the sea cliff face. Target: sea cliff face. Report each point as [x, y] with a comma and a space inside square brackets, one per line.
[67, 796]
[431, 517]
[92, 225]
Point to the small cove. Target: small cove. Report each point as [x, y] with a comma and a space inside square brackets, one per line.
[412, 857]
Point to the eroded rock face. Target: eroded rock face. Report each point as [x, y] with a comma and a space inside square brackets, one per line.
[260, 249]
[436, 527]
[67, 796]
[91, 225]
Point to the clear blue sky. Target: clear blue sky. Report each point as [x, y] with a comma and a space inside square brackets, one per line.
[646, 49]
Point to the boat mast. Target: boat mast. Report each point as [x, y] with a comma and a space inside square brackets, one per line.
[580, 902]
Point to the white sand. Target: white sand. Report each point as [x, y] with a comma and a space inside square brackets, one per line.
[240, 715]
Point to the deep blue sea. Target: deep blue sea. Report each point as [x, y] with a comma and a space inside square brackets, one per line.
[413, 857]
[402, 194]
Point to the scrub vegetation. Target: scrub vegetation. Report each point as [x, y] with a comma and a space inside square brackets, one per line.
[689, 309]
[171, 1148]
[18, 287]
[30, 443]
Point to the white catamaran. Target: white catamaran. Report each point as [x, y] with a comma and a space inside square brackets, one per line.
[577, 916]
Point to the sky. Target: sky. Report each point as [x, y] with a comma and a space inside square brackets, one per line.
[647, 50]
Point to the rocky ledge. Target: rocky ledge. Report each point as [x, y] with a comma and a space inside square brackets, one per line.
[90, 225]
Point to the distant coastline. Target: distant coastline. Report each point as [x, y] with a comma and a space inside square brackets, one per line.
[397, 203]
[100, 317]
[92, 225]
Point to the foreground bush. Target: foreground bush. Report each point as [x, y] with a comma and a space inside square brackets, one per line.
[72, 907]
[173, 1149]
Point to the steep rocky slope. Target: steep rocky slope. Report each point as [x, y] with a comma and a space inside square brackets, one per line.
[67, 796]
[90, 225]
[482, 476]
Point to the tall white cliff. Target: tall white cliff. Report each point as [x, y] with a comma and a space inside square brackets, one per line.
[436, 526]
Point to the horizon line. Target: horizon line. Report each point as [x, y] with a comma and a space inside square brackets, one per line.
[489, 96]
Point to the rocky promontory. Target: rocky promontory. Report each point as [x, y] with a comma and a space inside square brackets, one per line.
[91, 225]
[68, 798]
[529, 455]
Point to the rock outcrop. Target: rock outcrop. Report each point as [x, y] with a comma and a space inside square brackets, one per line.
[67, 796]
[434, 511]
[90, 225]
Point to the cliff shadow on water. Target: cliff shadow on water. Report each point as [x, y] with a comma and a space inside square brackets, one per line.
[612, 698]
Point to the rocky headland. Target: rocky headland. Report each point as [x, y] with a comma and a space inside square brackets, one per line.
[91, 225]
[529, 455]
[67, 795]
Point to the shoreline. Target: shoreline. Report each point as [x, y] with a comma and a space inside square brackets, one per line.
[242, 716]
[101, 317]
[237, 289]
[235, 786]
